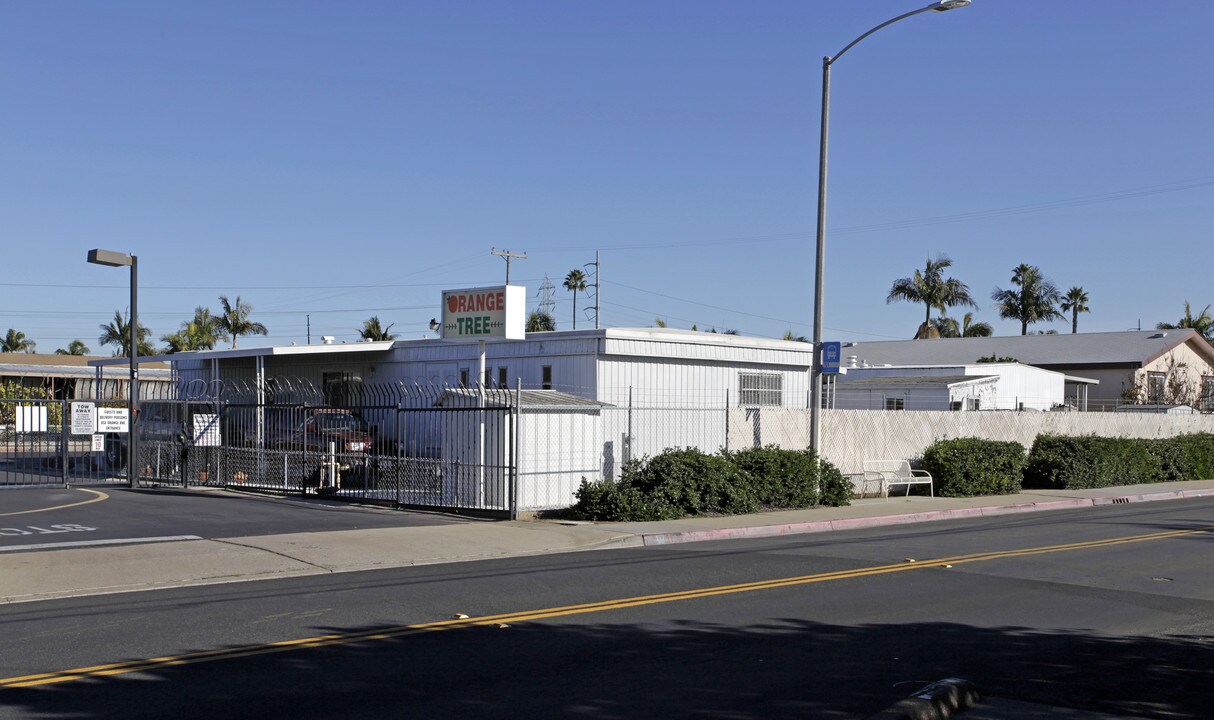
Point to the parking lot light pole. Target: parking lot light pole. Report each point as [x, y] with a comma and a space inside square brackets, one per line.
[117, 259]
[815, 409]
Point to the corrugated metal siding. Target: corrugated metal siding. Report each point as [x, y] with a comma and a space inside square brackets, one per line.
[740, 353]
[689, 383]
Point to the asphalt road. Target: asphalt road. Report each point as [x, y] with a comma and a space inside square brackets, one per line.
[68, 517]
[1108, 609]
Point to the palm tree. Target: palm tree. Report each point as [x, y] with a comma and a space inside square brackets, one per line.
[969, 328]
[931, 288]
[1203, 323]
[540, 321]
[16, 342]
[201, 333]
[75, 347]
[118, 332]
[1033, 302]
[1075, 301]
[235, 320]
[789, 336]
[575, 281]
[206, 329]
[372, 330]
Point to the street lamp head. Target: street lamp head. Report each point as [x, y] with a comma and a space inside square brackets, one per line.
[109, 257]
[943, 5]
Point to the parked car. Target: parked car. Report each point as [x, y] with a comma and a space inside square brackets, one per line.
[314, 428]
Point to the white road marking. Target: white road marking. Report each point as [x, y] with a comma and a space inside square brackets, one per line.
[85, 543]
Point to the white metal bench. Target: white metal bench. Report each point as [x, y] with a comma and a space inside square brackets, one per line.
[896, 472]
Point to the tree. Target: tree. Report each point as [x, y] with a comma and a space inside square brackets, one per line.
[16, 342]
[575, 281]
[659, 322]
[235, 320]
[75, 347]
[931, 288]
[118, 332]
[540, 321]
[1203, 323]
[1033, 302]
[372, 330]
[796, 338]
[1075, 301]
[201, 333]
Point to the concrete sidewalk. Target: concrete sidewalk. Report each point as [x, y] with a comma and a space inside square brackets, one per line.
[40, 575]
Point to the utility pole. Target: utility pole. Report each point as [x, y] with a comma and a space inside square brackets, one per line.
[508, 256]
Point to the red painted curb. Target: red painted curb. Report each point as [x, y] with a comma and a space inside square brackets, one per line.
[673, 538]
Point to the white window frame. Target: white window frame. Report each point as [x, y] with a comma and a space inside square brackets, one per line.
[760, 389]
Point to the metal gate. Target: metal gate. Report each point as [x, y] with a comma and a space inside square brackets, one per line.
[446, 449]
[38, 449]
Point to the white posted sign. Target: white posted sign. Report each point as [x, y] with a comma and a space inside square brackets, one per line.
[31, 418]
[485, 313]
[206, 430]
[84, 418]
[112, 420]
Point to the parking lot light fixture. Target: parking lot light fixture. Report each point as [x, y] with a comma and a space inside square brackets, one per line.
[117, 259]
[815, 409]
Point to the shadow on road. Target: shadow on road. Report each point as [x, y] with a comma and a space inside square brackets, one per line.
[785, 669]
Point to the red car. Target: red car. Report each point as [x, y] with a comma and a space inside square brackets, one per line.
[314, 428]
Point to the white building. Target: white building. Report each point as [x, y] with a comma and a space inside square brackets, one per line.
[978, 386]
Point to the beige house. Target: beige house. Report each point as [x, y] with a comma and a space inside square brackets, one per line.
[1154, 367]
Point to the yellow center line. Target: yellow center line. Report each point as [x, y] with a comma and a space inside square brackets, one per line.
[100, 496]
[131, 666]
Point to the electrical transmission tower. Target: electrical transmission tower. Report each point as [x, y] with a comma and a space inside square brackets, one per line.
[598, 290]
[547, 290]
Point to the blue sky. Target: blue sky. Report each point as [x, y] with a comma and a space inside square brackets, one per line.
[343, 160]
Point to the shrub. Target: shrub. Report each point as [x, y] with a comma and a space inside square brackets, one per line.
[966, 467]
[779, 478]
[685, 482]
[1090, 462]
[836, 489]
[1198, 453]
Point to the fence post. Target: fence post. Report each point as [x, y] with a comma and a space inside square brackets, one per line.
[65, 448]
[628, 446]
[515, 447]
[726, 419]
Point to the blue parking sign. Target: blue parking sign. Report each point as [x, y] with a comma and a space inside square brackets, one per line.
[830, 357]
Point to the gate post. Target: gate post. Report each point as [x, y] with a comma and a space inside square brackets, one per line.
[65, 448]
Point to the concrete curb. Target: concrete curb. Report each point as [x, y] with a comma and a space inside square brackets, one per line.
[671, 538]
[938, 701]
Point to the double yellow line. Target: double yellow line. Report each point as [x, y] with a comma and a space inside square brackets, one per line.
[132, 666]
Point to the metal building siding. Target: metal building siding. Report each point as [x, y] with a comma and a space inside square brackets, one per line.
[703, 383]
[686, 350]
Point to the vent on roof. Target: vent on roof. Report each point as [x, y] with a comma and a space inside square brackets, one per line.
[1158, 335]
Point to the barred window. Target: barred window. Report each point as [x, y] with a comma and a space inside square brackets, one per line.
[1156, 384]
[1207, 393]
[760, 389]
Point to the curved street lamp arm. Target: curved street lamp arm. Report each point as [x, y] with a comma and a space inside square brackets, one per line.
[839, 54]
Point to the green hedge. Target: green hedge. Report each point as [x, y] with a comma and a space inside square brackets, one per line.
[966, 467]
[679, 483]
[1090, 462]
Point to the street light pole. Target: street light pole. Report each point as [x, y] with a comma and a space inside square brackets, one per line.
[815, 409]
[117, 259]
